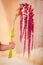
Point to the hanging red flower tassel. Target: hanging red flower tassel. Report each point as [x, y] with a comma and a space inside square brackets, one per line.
[25, 24]
[30, 28]
[26, 16]
[21, 21]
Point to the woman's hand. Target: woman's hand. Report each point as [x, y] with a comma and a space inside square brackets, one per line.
[12, 45]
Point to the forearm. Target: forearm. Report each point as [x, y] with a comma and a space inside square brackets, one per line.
[4, 47]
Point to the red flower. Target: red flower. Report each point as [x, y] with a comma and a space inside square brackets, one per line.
[28, 22]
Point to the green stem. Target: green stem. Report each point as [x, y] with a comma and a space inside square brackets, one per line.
[10, 53]
[12, 37]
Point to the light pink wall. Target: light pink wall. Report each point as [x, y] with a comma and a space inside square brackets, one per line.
[4, 26]
[38, 40]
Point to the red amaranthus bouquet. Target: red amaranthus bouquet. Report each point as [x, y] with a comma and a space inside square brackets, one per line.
[26, 25]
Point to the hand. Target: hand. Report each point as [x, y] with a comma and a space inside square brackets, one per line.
[12, 45]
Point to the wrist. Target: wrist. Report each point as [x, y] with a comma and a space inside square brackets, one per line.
[11, 45]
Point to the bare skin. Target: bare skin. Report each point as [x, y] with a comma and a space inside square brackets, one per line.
[4, 47]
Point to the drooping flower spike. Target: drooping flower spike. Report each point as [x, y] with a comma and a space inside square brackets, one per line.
[26, 19]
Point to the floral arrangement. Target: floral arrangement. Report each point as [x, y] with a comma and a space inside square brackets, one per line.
[25, 12]
[26, 19]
